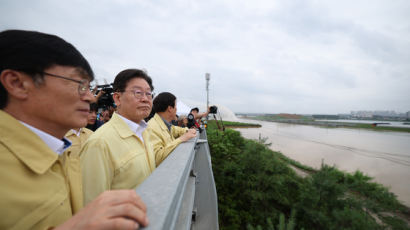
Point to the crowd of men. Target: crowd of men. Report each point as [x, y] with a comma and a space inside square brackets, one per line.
[56, 173]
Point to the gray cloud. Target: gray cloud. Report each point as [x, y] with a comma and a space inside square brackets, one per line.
[263, 56]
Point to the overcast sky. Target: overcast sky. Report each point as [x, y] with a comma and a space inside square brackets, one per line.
[293, 56]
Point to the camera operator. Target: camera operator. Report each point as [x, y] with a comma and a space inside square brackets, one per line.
[97, 95]
[104, 100]
[194, 117]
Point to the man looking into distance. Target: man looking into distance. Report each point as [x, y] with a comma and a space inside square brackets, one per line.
[118, 155]
[164, 136]
[44, 93]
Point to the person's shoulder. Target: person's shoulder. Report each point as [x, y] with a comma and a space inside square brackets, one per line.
[107, 131]
[154, 121]
[97, 140]
[69, 133]
[152, 127]
[178, 128]
[88, 131]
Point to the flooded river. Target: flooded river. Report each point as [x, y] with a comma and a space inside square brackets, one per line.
[385, 156]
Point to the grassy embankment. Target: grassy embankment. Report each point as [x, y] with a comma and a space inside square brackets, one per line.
[257, 189]
[232, 124]
[299, 119]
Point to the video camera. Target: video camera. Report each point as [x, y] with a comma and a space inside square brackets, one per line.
[213, 109]
[191, 121]
[106, 99]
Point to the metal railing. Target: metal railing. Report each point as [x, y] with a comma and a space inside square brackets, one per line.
[180, 193]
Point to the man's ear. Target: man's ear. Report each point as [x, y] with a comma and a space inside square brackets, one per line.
[17, 84]
[117, 98]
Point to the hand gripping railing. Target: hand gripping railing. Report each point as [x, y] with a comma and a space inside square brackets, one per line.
[180, 194]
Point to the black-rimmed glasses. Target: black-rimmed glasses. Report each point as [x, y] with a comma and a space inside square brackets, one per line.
[83, 85]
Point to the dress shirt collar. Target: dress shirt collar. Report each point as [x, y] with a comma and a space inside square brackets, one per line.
[135, 128]
[77, 133]
[169, 125]
[55, 144]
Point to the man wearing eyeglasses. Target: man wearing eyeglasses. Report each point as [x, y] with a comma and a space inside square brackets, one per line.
[164, 136]
[118, 155]
[44, 93]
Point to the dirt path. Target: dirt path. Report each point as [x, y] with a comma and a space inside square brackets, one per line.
[299, 171]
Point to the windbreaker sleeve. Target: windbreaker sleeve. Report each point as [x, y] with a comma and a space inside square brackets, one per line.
[97, 169]
[162, 144]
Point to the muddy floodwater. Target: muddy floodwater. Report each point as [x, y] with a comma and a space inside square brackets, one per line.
[385, 156]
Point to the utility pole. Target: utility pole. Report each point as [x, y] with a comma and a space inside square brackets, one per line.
[207, 78]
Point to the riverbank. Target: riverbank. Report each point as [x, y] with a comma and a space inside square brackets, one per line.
[376, 126]
[231, 124]
[255, 183]
[384, 156]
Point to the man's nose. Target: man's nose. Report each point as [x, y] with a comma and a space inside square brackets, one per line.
[88, 96]
[145, 98]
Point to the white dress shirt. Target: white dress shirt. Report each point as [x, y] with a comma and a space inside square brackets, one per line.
[136, 128]
[55, 144]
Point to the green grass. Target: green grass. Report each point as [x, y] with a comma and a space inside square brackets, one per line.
[280, 118]
[382, 128]
[395, 223]
[229, 124]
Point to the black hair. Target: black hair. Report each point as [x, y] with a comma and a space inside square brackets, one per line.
[32, 52]
[94, 107]
[162, 101]
[123, 77]
[194, 109]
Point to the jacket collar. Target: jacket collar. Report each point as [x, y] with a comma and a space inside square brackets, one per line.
[25, 144]
[161, 122]
[70, 133]
[121, 126]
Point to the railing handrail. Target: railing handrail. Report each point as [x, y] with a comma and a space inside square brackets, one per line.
[180, 193]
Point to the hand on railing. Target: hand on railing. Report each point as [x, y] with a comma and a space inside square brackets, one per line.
[191, 133]
[115, 209]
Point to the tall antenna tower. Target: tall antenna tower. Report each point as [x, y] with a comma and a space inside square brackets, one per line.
[207, 78]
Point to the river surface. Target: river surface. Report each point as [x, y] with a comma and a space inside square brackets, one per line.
[385, 156]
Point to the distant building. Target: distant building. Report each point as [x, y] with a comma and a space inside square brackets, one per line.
[362, 114]
[325, 116]
[344, 116]
[379, 115]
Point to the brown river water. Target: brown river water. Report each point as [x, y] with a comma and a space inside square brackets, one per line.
[385, 156]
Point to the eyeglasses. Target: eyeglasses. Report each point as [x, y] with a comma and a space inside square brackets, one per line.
[83, 85]
[139, 94]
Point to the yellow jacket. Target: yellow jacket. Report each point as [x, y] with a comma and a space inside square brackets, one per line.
[77, 142]
[34, 191]
[162, 139]
[114, 157]
[72, 166]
